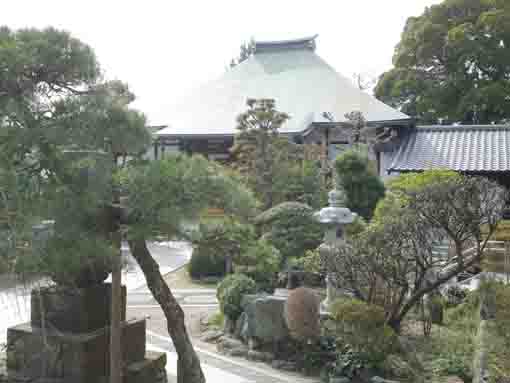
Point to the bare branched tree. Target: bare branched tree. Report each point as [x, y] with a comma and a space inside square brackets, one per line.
[393, 264]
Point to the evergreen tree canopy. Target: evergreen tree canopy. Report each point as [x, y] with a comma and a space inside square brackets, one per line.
[363, 189]
[453, 63]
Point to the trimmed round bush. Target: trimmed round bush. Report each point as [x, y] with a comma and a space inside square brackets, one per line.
[291, 228]
[261, 261]
[231, 291]
[302, 314]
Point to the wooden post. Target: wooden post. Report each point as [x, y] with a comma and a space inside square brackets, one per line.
[116, 297]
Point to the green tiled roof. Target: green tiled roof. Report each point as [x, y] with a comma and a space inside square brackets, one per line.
[302, 83]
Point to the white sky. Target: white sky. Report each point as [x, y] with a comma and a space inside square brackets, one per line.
[164, 49]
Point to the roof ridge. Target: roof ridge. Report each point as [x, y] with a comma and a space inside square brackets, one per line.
[307, 43]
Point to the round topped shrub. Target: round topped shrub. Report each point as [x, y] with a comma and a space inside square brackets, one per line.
[261, 261]
[231, 291]
[291, 228]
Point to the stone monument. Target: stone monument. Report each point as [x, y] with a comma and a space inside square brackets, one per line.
[68, 337]
[67, 340]
[334, 218]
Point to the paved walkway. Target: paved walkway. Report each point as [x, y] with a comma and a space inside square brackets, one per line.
[220, 369]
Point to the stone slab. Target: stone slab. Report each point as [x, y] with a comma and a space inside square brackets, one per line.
[265, 317]
[83, 358]
[152, 369]
[74, 310]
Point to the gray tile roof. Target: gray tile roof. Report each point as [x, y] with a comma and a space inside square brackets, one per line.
[474, 148]
[302, 84]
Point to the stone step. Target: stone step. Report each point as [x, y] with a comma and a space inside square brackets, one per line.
[150, 370]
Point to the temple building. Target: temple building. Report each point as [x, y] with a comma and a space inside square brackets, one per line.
[302, 84]
[305, 87]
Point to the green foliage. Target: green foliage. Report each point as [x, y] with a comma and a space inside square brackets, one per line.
[206, 265]
[230, 293]
[499, 335]
[53, 100]
[317, 355]
[290, 228]
[414, 182]
[362, 187]
[255, 148]
[261, 262]
[215, 242]
[363, 327]
[298, 181]
[216, 321]
[452, 63]
[310, 262]
[165, 194]
[348, 364]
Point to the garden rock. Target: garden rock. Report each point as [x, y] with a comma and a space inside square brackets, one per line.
[284, 365]
[241, 327]
[212, 336]
[240, 352]
[259, 356]
[249, 298]
[266, 322]
[228, 344]
[342, 379]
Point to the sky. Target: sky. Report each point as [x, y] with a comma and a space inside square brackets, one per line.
[165, 49]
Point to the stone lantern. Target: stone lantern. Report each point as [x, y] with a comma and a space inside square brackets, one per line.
[334, 218]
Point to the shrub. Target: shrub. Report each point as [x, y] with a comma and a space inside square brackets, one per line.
[363, 327]
[217, 240]
[310, 262]
[230, 293]
[290, 228]
[260, 261]
[348, 364]
[302, 314]
[299, 181]
[205, 265]
[363, 188]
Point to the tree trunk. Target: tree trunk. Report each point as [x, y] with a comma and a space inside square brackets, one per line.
[188, 364]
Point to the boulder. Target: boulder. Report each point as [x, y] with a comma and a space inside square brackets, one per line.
[228, 344]
[241, 328]
[259, 356]
[240, 352]
[211, 336]
[284, 365]
[249, 298]
[265, 320]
